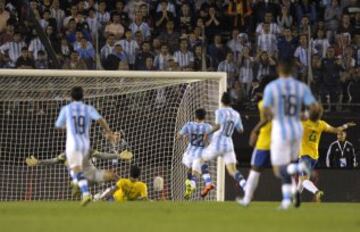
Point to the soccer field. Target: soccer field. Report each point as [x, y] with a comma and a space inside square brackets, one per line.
[171, 217]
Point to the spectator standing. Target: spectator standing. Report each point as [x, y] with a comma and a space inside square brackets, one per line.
[267, 41]
[13, 48]
[142, 55]
[331, 85]
[184, 57]
[228, 65]
[246, 65]
[212, 24]
[170, 37]
[115, 27]
[131, 47]
[161, 60]
[163, 16]
[286, 45]
[284, 20]
[265, 65]
[217, 51]
[139, 25]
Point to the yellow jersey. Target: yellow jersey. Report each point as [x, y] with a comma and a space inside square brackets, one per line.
[129, 190]
[311, 137]
[264, 138]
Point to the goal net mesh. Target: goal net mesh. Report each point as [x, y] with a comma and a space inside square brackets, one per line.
[150, 111]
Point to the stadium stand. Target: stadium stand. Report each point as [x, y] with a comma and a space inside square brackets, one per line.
[244, 38]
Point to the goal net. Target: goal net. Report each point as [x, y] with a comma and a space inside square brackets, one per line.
[149, 107]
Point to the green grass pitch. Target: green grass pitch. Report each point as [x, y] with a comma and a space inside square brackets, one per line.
[176, 216]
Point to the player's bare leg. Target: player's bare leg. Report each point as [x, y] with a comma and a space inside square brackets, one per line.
[306, 183]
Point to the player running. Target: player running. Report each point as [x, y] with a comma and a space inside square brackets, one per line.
[76, 117]
[283, 100]
[130, 189]
[309, 153]
[221, 144]
[260, 158]
[195, 132]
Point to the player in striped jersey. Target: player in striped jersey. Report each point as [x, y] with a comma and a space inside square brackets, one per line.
[76, 117]
[194, 132]
[221, 144]
[313, 128]
[283, 100]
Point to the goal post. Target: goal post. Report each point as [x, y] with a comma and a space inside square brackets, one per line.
[150, 107]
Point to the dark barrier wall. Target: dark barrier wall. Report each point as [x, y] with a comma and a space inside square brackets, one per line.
[243, 151]
[338, 185]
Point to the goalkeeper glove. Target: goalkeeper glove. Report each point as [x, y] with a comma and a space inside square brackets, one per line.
[31, 161]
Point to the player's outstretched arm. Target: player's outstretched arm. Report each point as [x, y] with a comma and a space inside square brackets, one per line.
[335, 130]
[32, 161]
[124, 155]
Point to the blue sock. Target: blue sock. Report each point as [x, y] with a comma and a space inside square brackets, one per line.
[189, 175]
[240, 179]
[204, 169]
[83, 183]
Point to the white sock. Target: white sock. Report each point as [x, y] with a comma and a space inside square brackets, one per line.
[251, 185]
[309, 185]
[74, 179]
[286, 192]
[193, 184]
[207, 179]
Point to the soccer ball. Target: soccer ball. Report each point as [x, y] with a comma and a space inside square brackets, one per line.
[158, 183]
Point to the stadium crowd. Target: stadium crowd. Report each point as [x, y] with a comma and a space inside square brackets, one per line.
[244, 38]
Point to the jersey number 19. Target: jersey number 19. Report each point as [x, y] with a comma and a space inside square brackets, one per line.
[79, 124]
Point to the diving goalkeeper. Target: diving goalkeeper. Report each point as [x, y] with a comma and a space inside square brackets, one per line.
[94, 175]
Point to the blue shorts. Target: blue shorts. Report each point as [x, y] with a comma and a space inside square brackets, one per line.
[261, 159]
[309, 161]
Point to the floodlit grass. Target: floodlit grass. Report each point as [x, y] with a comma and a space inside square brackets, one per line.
[176, 216]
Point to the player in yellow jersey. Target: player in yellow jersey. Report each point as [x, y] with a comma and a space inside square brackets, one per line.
[126, 189]
[313, 128]
[260, 159]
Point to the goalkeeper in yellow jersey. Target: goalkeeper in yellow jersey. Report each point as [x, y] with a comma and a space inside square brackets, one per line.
[126, 189]
[313, 128]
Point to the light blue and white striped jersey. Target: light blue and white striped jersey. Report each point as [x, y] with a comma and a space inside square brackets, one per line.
[285, 97]
[228, 119]
[195, 131]
[77, 117]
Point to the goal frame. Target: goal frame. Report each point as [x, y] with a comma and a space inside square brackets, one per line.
[221, 77]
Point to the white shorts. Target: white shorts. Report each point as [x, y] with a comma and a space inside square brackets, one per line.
[93, 174]
[283, 152]
[211, 153]
[75, 158]
[188, 159]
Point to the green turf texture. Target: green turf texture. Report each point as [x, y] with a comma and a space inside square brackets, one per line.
[176, 216]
